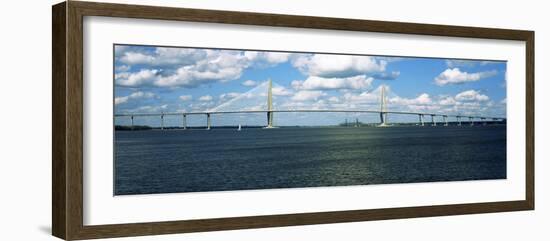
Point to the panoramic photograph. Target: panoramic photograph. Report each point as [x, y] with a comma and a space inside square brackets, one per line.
[189, 119]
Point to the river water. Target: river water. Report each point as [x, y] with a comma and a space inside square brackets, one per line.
[170, 161]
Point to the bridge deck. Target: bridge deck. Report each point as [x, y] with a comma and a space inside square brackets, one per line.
[303, 111]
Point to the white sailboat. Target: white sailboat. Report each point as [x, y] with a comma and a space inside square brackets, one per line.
[239, 128]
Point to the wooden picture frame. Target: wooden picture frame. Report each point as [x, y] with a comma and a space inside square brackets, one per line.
[67, 123]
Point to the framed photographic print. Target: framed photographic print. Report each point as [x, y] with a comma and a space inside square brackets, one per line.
[171, 120]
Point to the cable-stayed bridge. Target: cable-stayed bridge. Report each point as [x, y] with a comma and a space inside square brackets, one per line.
[270, 111]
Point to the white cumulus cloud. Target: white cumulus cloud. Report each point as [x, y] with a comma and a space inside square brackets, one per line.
[305, 95]
[218, 66]
[163, 56]
[447, 101]
[471, 95]
[206, 98]
[250, 83]
[136, 58]
[320, 83]
[267, 58]
[422, 99]
[188, 67]
[330, 66]
[143, 77]
[136, 95]
[455, 76]
[186, 97]
[281, 91]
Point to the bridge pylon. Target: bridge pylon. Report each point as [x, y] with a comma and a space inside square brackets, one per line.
[269, 105]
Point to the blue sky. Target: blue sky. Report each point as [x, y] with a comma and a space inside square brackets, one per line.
[152, 79]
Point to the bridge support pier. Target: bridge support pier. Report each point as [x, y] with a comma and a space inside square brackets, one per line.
[421, 119]
[383, 119]
[162, 122]
[132, 124]
[445, 120]
[208, 122]
[269, 120]
[184, 121]
[433, 121]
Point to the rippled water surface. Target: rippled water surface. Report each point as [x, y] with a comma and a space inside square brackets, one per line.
[155, 161]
